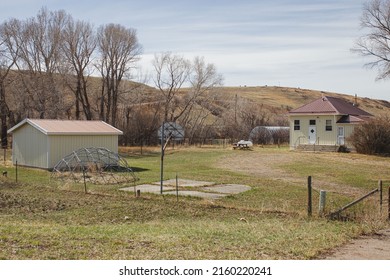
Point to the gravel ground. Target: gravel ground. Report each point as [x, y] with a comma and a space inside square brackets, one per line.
[372, 247]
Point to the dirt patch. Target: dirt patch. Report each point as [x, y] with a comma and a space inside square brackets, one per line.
[269, 164]
[259, 164]
[372, 247]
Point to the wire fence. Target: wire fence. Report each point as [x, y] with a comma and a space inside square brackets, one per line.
[336, 207]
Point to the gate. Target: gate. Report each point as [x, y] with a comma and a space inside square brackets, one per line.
[337, 214]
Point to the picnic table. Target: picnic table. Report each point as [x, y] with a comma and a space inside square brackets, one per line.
[242, 145]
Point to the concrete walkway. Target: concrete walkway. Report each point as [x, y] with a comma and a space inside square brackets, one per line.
[208, 190]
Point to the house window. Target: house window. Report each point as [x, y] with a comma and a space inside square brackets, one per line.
[312, 122]
[297, 125]
[328, 126]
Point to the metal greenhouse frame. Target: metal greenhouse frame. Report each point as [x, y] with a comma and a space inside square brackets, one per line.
[96, 165]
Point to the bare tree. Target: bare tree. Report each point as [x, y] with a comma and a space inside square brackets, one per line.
[119, 50]
[197, 111]
[38, 42]
[140, 120]
[242, 116]
[376, 42]
[172, 71]
[11, 32]
[79, 45]
[6, 63]
[203, 79]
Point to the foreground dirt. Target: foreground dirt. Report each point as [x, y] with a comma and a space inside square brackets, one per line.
[375, 247]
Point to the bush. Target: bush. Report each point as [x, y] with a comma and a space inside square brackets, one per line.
[372, 137]
[343, 149]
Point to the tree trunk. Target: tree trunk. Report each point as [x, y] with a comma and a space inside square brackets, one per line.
[3, 113]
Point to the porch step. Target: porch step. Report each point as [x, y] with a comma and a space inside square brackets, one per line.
[318, 148]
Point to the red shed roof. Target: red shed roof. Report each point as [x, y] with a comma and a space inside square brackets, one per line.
[329, 105]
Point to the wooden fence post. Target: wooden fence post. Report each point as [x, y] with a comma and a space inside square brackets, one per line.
[177, 188]
[322, 204]
[85, 183]
[380, 188]
[388, 203]
[16, 171]
[309, 197]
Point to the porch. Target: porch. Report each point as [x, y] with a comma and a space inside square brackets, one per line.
[317, 148]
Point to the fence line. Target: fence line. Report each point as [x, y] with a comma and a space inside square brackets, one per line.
[337, 213]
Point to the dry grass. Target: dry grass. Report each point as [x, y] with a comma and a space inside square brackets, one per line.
[46, 220]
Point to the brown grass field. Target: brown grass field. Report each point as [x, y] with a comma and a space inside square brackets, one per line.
[41, 218]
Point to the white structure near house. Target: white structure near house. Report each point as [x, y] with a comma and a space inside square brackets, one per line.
[269, 134]
[327, 121]
[42, 143]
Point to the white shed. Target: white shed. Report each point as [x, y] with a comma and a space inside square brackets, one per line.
[42, 143]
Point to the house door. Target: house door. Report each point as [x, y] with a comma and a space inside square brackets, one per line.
[312, 134]
[340, 135]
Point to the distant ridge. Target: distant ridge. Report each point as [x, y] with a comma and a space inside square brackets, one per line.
[287, 98]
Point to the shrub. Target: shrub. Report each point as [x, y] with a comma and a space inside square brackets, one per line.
[372, 137]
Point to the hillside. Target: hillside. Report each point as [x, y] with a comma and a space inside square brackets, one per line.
[278, 100]
[285, 98]
[224, 112]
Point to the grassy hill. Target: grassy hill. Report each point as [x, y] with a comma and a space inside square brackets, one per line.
[284, 99]
[227, 112]
[275, 99]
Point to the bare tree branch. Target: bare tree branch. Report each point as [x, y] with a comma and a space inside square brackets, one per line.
[376, 42]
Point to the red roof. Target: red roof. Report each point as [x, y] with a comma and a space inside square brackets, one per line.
[329, 106]
[352, 119]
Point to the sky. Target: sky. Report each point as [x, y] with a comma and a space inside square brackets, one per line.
[303, 43]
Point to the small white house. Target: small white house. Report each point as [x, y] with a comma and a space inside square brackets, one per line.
[327, 121]
[42, 143]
